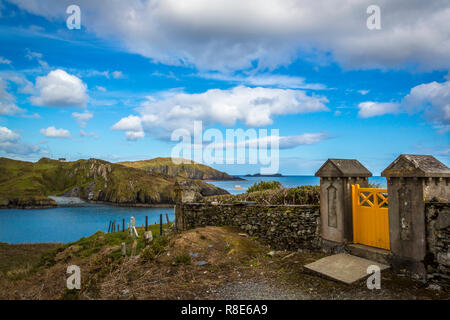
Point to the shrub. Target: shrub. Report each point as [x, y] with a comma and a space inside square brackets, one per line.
[183, 258]
[264, 185]
[147, 254]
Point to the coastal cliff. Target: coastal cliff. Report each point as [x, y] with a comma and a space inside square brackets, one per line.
[187, 169]
[28, 185]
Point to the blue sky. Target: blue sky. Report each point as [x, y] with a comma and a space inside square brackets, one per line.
[118, 87]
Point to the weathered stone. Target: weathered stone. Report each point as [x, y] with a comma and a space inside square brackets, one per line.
[272, 224]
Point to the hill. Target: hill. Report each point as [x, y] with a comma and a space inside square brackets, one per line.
[28, 184]
[187, 169]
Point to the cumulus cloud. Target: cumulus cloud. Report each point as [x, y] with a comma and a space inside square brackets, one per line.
[234, 34]
[11, 143]
[432, 99]
[370, 109]
[52, 132]
[132, 125]
[82, 118]
[253, 107]
[60, 89]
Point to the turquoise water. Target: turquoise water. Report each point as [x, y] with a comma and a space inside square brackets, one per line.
[287, 181]
[66, 224]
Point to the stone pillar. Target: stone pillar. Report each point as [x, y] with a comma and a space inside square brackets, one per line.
[412, 181]
[185, 191]
[336, 179]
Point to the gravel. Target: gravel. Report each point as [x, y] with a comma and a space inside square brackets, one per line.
[256, 290]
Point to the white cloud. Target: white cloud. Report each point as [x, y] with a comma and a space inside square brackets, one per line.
[363, 92]
[117, 74]
[253, 106]
[11, 143]
[7, 101]
[4, 61]
[82, 118]
[432, 99]
[231, 35]
[134, 135]
[60, 89]
[370, 109]
[88, 134]
[52, 132]
[100, 88]
[266, 80]
[130, 123]
[288, 142]
[36, 56]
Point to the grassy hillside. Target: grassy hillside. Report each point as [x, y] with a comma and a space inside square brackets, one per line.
[27, 184]
[189, 170]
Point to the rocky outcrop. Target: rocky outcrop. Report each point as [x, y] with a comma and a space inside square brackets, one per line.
[28, 203]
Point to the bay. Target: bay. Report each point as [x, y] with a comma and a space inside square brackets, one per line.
[66, 224]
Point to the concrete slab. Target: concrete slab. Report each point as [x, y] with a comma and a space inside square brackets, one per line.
[343, 267]
[369, 253]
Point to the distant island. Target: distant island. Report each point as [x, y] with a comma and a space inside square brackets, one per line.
[264, 175]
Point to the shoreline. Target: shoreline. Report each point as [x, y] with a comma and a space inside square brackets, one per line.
[129, 205]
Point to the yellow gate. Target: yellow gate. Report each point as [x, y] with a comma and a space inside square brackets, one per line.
[370, 217]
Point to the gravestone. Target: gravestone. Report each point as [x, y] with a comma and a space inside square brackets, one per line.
[336, 179]
[413, 180]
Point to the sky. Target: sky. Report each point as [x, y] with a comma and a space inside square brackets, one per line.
[136, 71]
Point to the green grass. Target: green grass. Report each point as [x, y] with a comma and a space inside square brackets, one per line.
[22, 181]
[17, 259]
[183, 258]
[264, 185]
[306, 195]
[186, 169]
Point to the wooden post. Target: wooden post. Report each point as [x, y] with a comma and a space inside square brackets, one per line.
[133, 248]
[160, 225]
[123, 225]
[146, 223]
[167, 218]
[109, 226]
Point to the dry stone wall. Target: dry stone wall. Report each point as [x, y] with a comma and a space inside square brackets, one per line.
[287, 227]
[438, 239]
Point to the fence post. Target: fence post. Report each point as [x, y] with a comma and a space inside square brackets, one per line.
[146, 223]
[160, 224]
